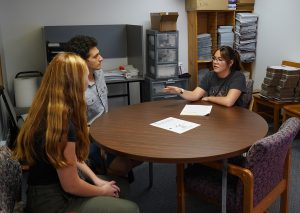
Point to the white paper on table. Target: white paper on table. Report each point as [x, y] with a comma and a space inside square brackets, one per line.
[200, 110]
[175, 125]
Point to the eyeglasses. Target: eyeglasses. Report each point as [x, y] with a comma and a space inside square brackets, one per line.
[218, 59]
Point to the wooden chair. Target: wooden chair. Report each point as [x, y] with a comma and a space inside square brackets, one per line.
[269, 108]
[292, 110]
[254, 181]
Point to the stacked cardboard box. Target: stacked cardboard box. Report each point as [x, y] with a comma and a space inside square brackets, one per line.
[191, 5]
[282, 83]
[246, 1]
[164, 21]
[245, 6]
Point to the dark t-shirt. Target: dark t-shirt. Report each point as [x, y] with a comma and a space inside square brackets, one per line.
[43, 173]
[212, 84]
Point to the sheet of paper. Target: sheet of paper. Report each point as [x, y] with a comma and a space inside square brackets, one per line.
[175, 125]
[199, 110]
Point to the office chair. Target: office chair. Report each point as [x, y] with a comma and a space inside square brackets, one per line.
[247, 96]
[13, 123]
[254, 181]
[16, 116]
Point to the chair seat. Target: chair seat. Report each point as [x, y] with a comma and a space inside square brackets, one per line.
[206, 183]
[293, 108]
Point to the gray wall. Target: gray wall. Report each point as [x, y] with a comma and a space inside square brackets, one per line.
[22, 33]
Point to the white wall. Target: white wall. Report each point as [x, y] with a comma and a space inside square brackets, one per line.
[22, 22]
[278, 34]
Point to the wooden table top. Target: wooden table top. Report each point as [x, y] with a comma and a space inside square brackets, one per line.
[225, 133]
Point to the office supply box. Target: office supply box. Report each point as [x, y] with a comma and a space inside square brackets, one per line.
[191, 5]
[164, 21]
[246, 1]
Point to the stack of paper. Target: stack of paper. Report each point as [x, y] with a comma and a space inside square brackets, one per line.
[198, 110]
[245, 35]
[114, 75]
[232, 4]
[131, 72]
[281, 83]
[175, 125]
[225, 36]
[204, 47]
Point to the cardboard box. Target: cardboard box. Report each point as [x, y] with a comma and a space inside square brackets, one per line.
[164, 21]
[246, 1]
[191, 5]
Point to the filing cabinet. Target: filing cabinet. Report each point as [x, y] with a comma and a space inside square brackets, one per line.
[154, 87]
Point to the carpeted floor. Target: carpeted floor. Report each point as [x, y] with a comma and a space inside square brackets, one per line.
[161, 198]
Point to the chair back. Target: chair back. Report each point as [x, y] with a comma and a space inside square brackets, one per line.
[10, 180]
[247, 96]
[266, 158]
[9, 106]
[13, 123]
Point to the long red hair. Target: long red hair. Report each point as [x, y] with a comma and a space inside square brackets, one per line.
[59, 100]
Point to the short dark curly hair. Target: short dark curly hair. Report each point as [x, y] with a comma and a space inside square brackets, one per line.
[81, 45]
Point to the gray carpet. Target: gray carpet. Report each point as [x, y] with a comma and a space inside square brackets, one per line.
[161, 198]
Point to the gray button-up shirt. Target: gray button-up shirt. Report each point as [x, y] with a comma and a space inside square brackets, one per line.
[96, 97]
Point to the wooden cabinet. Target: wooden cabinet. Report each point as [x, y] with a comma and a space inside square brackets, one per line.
[206, 22]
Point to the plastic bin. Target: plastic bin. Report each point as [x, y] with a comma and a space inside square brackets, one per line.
[25, 86]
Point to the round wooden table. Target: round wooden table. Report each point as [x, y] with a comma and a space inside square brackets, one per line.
[225, 133]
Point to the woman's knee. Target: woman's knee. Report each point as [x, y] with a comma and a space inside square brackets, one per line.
[109, 205]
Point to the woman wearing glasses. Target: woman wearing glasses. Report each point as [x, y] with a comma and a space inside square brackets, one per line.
[224, 85]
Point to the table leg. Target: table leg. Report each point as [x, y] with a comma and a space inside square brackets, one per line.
[141, 91]
[128, 93]
[224, 185]
[180, 188]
